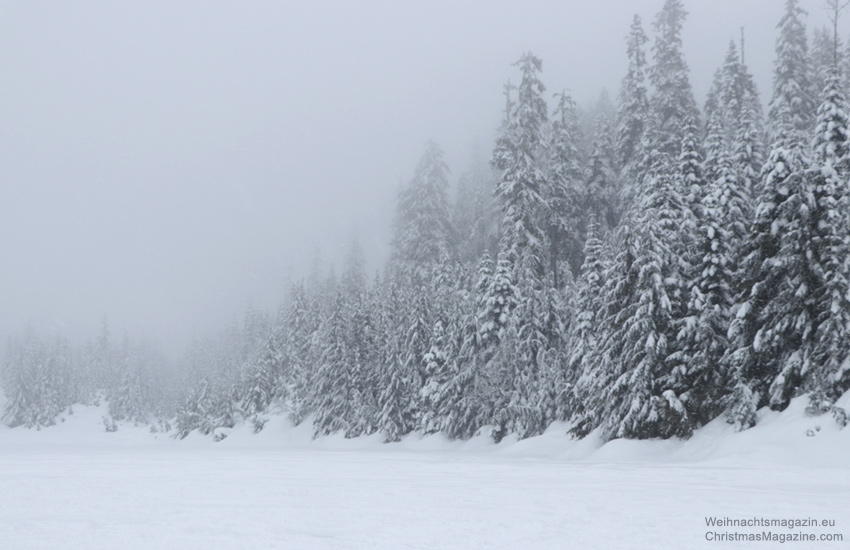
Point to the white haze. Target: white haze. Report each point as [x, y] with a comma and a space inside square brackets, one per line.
[167, 163]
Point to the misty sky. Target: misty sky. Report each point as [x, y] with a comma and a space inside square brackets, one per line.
[166, 163]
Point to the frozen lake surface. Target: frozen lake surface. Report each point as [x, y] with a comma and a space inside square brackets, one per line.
[74, 487]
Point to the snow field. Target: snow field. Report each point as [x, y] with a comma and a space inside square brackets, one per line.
[73, 486]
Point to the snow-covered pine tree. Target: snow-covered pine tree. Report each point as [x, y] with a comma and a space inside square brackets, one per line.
[131, 401]
[830, 373]
[522, 182]
[762, 270]
[814, 254]
[555, 386]
[333, 383]
[831, 143]
[520, 192]
[598, 363]
[496, 300]
[564, 192]
[773, 318]
[693, 185]
[639, 401]
[19, 384]
[36, 381]
[697, 375]
[301, 332]
[207, 406]
[583, 334]
[828, 377]
[748, 147]
[475, 214]
[418, 324]
[672, 101]
[438, 375]
[735, 204]
[738, 113]
[489, 308]
[422, 227]
[468, 386]
[844, 63]
[601, 190]
[262, 382]
[792, 101]
[188, 417]
[361, 344]
[440, 393]
[633, 114]
[821, 60]
[103, 368]
[396, 416]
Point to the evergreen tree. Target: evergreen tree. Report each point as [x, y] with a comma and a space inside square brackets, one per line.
[601, 192]
[475, 216]
[362, 345]
[583, 335]
[831, 144]
[468, 389]
[333, 384]
[421, 227]
[822, 60]
[637, 399]
[301, 328]
[396, 417]
[263, 384]
[792, 102]
[131, 401]
[830, 261]
[634, 102]
[762, 272]
[747, 149]
[520, 189]
[672, 100]
[698, 376]
[19, 382]
[433, 396]
[829, 376]
[564, 192]
[691, 169]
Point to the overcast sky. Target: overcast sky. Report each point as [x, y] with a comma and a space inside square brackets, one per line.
[165, 163]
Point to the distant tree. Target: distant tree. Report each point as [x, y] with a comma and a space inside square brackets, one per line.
[634, 100]
[565, 192]
[421, 227]
[334, 381]
[672, 101]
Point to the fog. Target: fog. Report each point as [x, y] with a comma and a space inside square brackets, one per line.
[165, 164]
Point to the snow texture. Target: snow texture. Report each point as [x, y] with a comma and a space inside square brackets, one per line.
[77, 487]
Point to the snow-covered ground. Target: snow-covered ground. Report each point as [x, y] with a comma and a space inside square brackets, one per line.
[74, 486]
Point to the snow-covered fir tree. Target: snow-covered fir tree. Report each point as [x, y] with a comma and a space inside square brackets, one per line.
[583, 341]
[633, 114]
[564, 193]
[421, 227]
[697, 375]
[672, 101]
[334, 382]
[520, 189]
[791, 102]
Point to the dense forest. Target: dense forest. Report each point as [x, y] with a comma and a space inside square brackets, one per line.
[635, 270]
